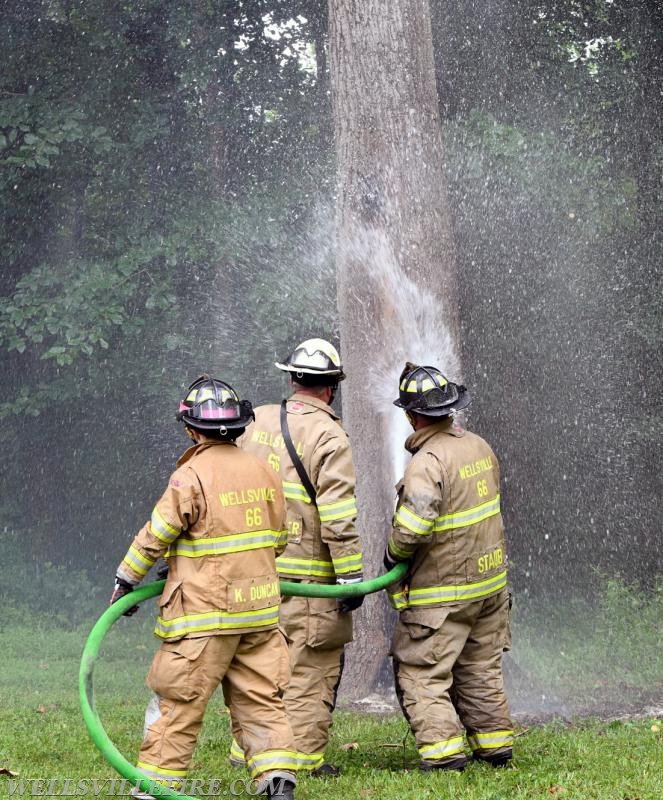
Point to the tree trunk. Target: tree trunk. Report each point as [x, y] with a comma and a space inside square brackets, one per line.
[395, 261]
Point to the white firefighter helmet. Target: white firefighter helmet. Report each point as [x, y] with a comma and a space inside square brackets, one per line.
[314, 361]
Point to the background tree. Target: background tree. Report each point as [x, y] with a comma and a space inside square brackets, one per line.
[395, 255]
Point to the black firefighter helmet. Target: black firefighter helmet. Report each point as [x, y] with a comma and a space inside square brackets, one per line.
[425, 391]
[213, 405]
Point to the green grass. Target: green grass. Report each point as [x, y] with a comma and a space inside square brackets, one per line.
[42, 734]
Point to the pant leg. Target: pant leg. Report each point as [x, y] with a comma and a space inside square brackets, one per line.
[253, 687]
[317, 633]
[183, 677]
[425, 647]
[478, 682]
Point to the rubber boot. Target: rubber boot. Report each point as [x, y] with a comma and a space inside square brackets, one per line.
[500, 758]
[326, 770]
[456, 764]
[277, 785]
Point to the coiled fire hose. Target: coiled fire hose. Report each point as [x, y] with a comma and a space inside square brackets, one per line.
[114, 612]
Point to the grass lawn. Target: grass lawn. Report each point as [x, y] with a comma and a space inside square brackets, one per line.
[42, 735]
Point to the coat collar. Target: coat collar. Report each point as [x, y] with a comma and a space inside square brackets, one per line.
[314, 402]
[187, 455]
[415, 441]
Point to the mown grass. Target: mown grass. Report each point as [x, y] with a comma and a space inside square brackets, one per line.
[42, 734]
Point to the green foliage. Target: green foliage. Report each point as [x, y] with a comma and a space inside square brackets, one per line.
[59, 596]
[586, 649]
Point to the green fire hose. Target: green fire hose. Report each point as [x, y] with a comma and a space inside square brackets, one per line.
[114, 612]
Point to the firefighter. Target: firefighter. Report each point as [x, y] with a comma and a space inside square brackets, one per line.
[453, 605]
[303, 441]
[219, 524]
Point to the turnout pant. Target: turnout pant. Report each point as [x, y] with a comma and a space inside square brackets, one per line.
[252, 669]
[448, 673]
[317, 632]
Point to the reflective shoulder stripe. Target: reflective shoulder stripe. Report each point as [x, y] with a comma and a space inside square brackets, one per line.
[304, 567]
[470, 516]
[215, 621]
[295, 491]
[163, 530]
[347, 564]
[415, 524]
[343, 509]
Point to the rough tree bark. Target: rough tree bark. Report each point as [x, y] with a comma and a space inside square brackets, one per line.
[395, 260]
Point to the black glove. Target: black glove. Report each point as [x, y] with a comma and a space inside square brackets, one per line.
[348, 604]
[121, 588]
[388, 560]
[162, 572]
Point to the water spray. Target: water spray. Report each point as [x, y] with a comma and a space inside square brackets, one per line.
[85, 676]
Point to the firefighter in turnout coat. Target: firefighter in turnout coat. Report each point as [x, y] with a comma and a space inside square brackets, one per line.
[323, 545]
[220, 524]
[453, 605]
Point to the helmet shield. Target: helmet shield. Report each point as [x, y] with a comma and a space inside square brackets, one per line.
[426, 391]
[314, 361]
[213, 405]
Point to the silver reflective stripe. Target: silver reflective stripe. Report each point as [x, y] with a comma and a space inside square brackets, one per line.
[305, 567]
[347, 564]
[163, 530]
[137, 561]
[214, 621]
[272, 760]
[236, 543]
[461, 519]
[447, 747]
[431, 595]
[295, 491]
[490, 741]
[414, 523]
[343, 509]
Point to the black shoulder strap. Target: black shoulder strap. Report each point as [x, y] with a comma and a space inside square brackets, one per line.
[292, 452]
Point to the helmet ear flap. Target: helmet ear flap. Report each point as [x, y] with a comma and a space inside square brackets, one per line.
[246, 411]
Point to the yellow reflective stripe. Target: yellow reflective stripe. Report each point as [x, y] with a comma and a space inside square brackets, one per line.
[305, 567]
[160, 775]
[408, 519]
[137, 561]
[214, 621]
[395, 550]
[430, 595]
[163, 530]
[282, 538]
[442, 749]
[236, 751]
[295, 491]
[215, 545]
[343, 509]
[460, 519]
[490, 741]
[397, 600]
[306, 761]
[272, 759]
[346, 564]
[161, 771]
